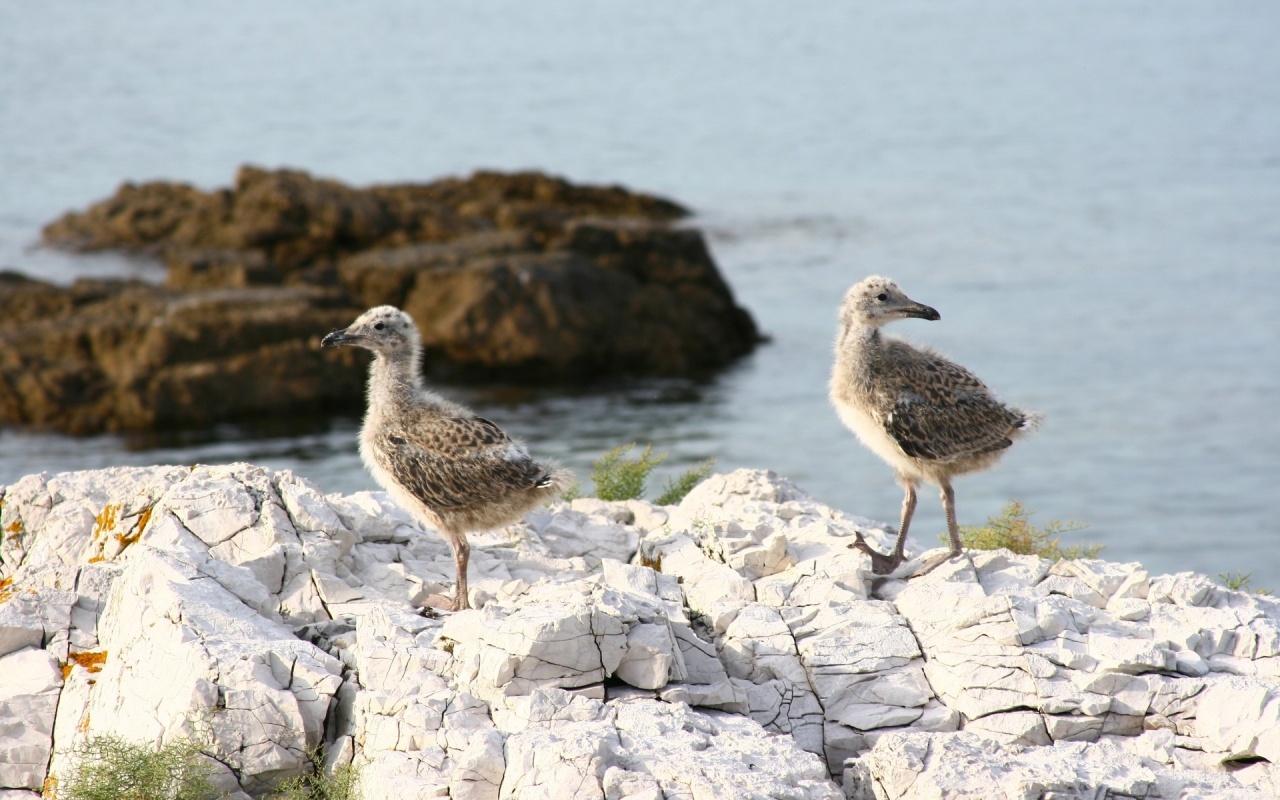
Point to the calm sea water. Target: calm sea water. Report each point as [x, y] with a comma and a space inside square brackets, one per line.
[1088, 192]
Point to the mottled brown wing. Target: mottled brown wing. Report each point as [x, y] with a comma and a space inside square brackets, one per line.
[940, 411]
[930, 376]
[460, 476]
[971, 424]
[457, 437]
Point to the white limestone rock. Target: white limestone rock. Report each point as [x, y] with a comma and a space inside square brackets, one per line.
[242, 604]
[714, 754]
[591, 528]
[417, 739]
[182, 649]
[575, 747]
[781, 547]
[36, 618]
[965, 766]
[1240, 718]
[30, 680]
[1012, 727]
[569, 635]
[20, 625]
[706, 581]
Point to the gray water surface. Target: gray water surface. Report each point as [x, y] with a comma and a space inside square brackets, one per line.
[1088, 192]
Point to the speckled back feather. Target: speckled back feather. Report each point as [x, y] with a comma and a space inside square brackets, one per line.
[451, 463]
[935, 409]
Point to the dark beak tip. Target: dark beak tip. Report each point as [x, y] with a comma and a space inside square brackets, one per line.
[332, 339]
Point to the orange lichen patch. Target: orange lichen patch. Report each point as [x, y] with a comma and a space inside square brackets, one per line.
[49, 791]
[143, 519]
[67, 666]
[106, 519]
[83, 727]
[14, 528]
[96, 559]
[5, 588]
[652, 562]
[91, 660]
[126, 539]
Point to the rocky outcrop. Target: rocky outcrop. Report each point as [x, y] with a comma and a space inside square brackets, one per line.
[730, 646]
[523, 276]
[120, 355]
[296, 221]
[604, 296]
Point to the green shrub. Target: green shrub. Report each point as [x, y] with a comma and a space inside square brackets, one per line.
[620, 478]
[617, 477]
[320, 785]
[1013, 530]
[683, 483]
[110, 768]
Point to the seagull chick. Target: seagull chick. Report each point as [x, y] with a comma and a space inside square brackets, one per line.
[454, 471]
[927, 417]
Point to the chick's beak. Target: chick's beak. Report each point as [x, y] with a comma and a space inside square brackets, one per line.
[336, 338]
[922, 311]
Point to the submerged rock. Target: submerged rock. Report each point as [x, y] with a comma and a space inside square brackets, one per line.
[730, 646]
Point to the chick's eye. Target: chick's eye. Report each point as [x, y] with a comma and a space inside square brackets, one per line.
[379, 326]
[882, 297]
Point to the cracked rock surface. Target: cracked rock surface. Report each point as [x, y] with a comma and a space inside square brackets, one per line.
[731, 646]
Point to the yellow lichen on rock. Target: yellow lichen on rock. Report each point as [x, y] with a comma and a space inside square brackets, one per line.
[106, 520]
[126, 539]
[91, 660]
[5, 588]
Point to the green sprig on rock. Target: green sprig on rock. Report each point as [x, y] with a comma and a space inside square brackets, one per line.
[1013, 530]
[619, 477]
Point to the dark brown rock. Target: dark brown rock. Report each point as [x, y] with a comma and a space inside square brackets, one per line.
[119, 355]
[385, 275]
[136, 217]
[608, 297]
[297, 220]
[211, 268]
[519, 276]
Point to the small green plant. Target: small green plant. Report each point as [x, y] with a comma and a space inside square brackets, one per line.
[319, 784]
[619, 477]
[1239, 581]
[110, 768]
[682, 484]
[1014, 531]
[1234, 580]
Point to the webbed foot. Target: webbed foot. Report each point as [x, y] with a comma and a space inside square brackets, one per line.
[880, 563]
